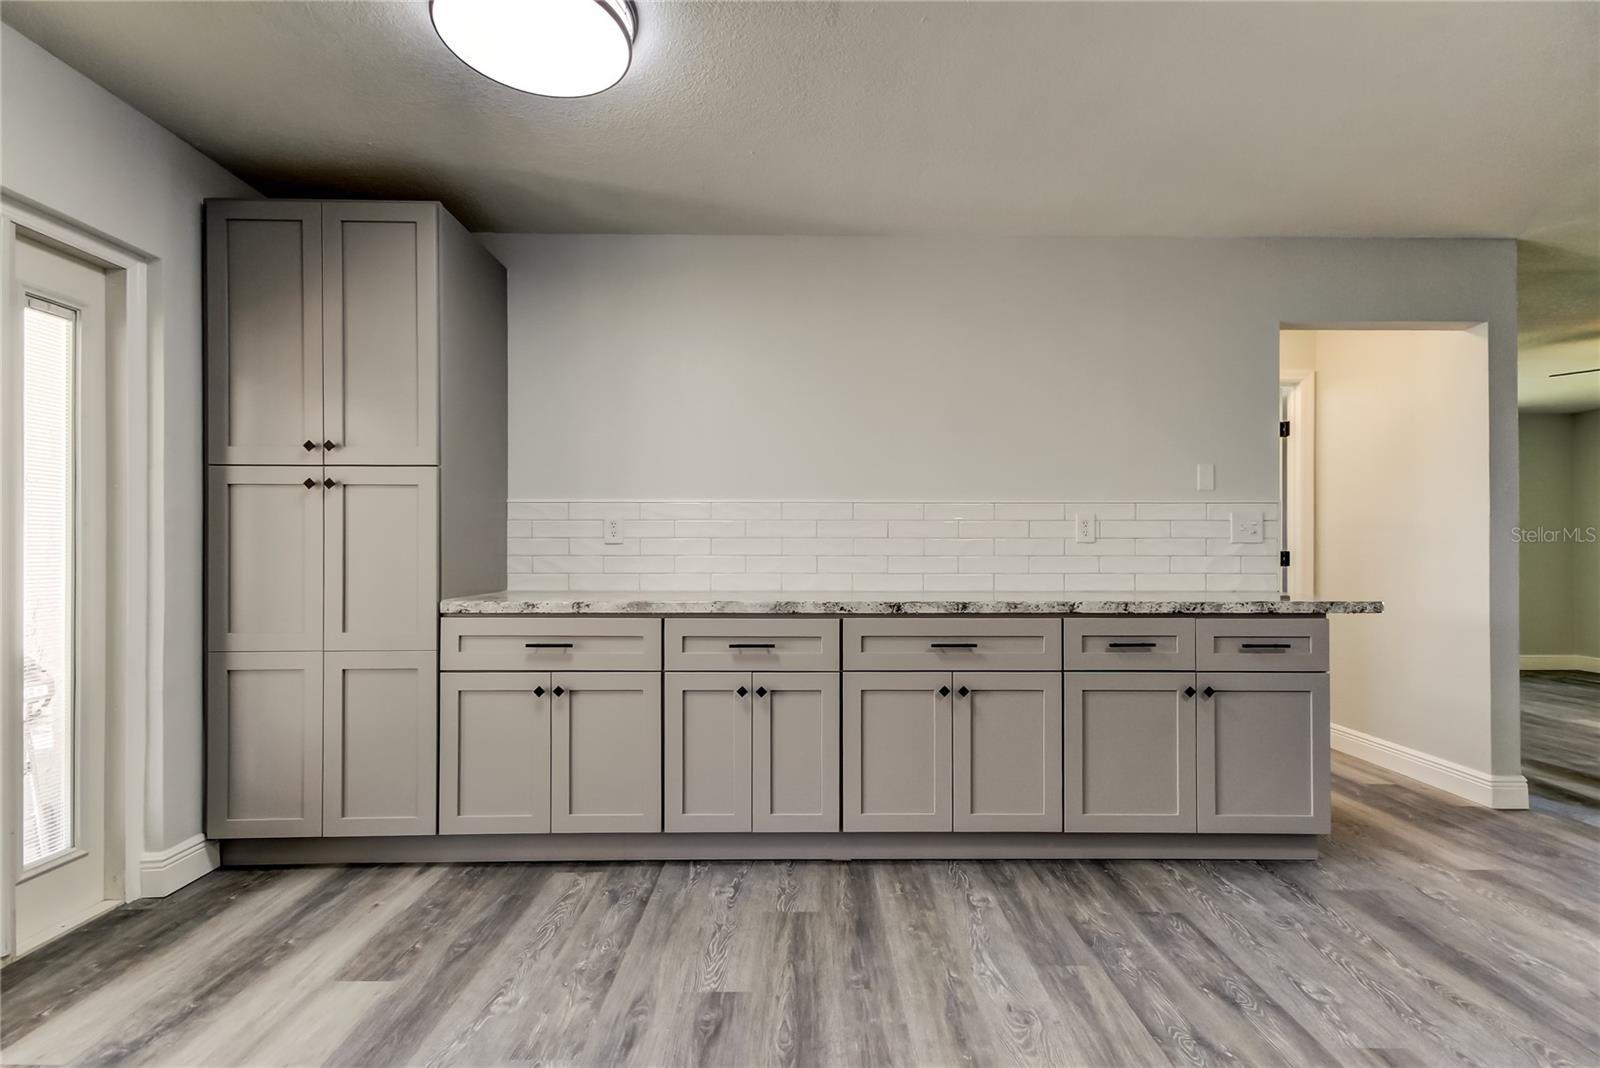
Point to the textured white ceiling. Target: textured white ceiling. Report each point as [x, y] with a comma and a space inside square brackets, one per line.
[1328, 119]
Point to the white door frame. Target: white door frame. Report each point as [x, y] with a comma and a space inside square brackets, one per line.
[133, 678]
[1300, 476]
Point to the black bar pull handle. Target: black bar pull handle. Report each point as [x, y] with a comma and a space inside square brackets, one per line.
[952, 645]
[752, 645]
[1130, 645]
[547, 645]
[1265, 645]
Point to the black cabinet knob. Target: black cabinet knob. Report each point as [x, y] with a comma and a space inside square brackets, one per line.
[963, 691]
[311, 483]
[310, 445]
[944, 691]
[327, 445]
[742, 691]
[1188, 691]
[329, 483]
[538, 691]
[1208, 691]
[761, 691]
[558, 691]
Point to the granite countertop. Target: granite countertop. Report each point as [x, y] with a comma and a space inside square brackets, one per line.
[513, 603]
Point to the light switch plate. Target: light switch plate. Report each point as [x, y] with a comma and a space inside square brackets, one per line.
[1083, 527]
[1246, 527]
[613, 532]
[1205, 476]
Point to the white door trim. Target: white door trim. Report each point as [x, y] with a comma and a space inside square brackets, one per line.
[135, 678]
[1300, 517]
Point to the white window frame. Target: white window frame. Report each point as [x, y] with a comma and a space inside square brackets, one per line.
[133, 680]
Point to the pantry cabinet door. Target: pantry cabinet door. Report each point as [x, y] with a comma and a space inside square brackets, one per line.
[897, 772]
[494, 752]
[264, 559]
[1130, 751]
[795, 758]
[382, 553]
[380, 743]
[381, 332]
[707, 751]
[605, 752]
[264, 745]
[263, 332]
[1007, 749]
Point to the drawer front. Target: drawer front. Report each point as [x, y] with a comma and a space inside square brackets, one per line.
[752, 644]
[534, 643]
[1262, 644]
[1021, 644]
[1164, 643]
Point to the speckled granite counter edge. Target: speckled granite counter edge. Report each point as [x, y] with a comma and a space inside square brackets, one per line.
[514, 604]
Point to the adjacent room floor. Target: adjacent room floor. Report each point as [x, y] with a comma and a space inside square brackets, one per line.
[1430, 931]
[1561, 734]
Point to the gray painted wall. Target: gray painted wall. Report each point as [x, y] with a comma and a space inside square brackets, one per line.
[78, 152]
[871, 368]
[1586, 515]
[1545, 456]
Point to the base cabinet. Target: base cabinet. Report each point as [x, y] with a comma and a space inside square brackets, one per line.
[1129, 752]
[897, 760]
[605, 744]
[494, 752]
[1007, 750]
[1263, 752]
[264, 745]
[380, 732]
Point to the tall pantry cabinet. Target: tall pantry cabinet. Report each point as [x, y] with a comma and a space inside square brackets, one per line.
[356, 457]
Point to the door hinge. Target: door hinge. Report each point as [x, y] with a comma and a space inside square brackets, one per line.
[1283, 558]
[1283, 429]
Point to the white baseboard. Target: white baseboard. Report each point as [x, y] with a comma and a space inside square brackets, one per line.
[1562, 662]
[1481, 788]
[172, 869]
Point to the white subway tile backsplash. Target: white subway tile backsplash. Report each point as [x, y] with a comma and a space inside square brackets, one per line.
[746, 510]
[674, 510]
[853, 528]
[888, 510]
[835, 546]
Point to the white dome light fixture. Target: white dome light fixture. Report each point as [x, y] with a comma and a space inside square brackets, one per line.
[562, 48]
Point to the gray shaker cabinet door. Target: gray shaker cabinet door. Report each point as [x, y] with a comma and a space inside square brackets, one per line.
[1129, 753]
[1263, 753]
[381, 332]
[264, 559]
[1007, 750]
[494, 752]
[382, 553]
[380, 743]
[795, 751]
[707, 751]
[897, 772]
[264, 745]
[605, 752]
[263, 332]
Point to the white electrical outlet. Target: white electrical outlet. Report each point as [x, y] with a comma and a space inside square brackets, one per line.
[1083, 527]
[1246, 527]
[1205, 476]
[613, 532]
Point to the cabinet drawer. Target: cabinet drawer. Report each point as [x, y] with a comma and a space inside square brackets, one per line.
[1262, 644]
[752, 644]
[944, 643]
[1165, 643]
[533, 643]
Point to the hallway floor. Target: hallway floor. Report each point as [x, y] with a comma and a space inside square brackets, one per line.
[1430, 931]
[1561, 734]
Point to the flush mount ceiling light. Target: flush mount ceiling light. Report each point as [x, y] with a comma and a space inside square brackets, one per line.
[547, 47]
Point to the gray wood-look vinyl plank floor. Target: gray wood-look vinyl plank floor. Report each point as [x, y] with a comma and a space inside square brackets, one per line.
[1561, 734]
[1430, 932]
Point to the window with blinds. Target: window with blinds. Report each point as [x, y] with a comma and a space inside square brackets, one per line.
[48, 607]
